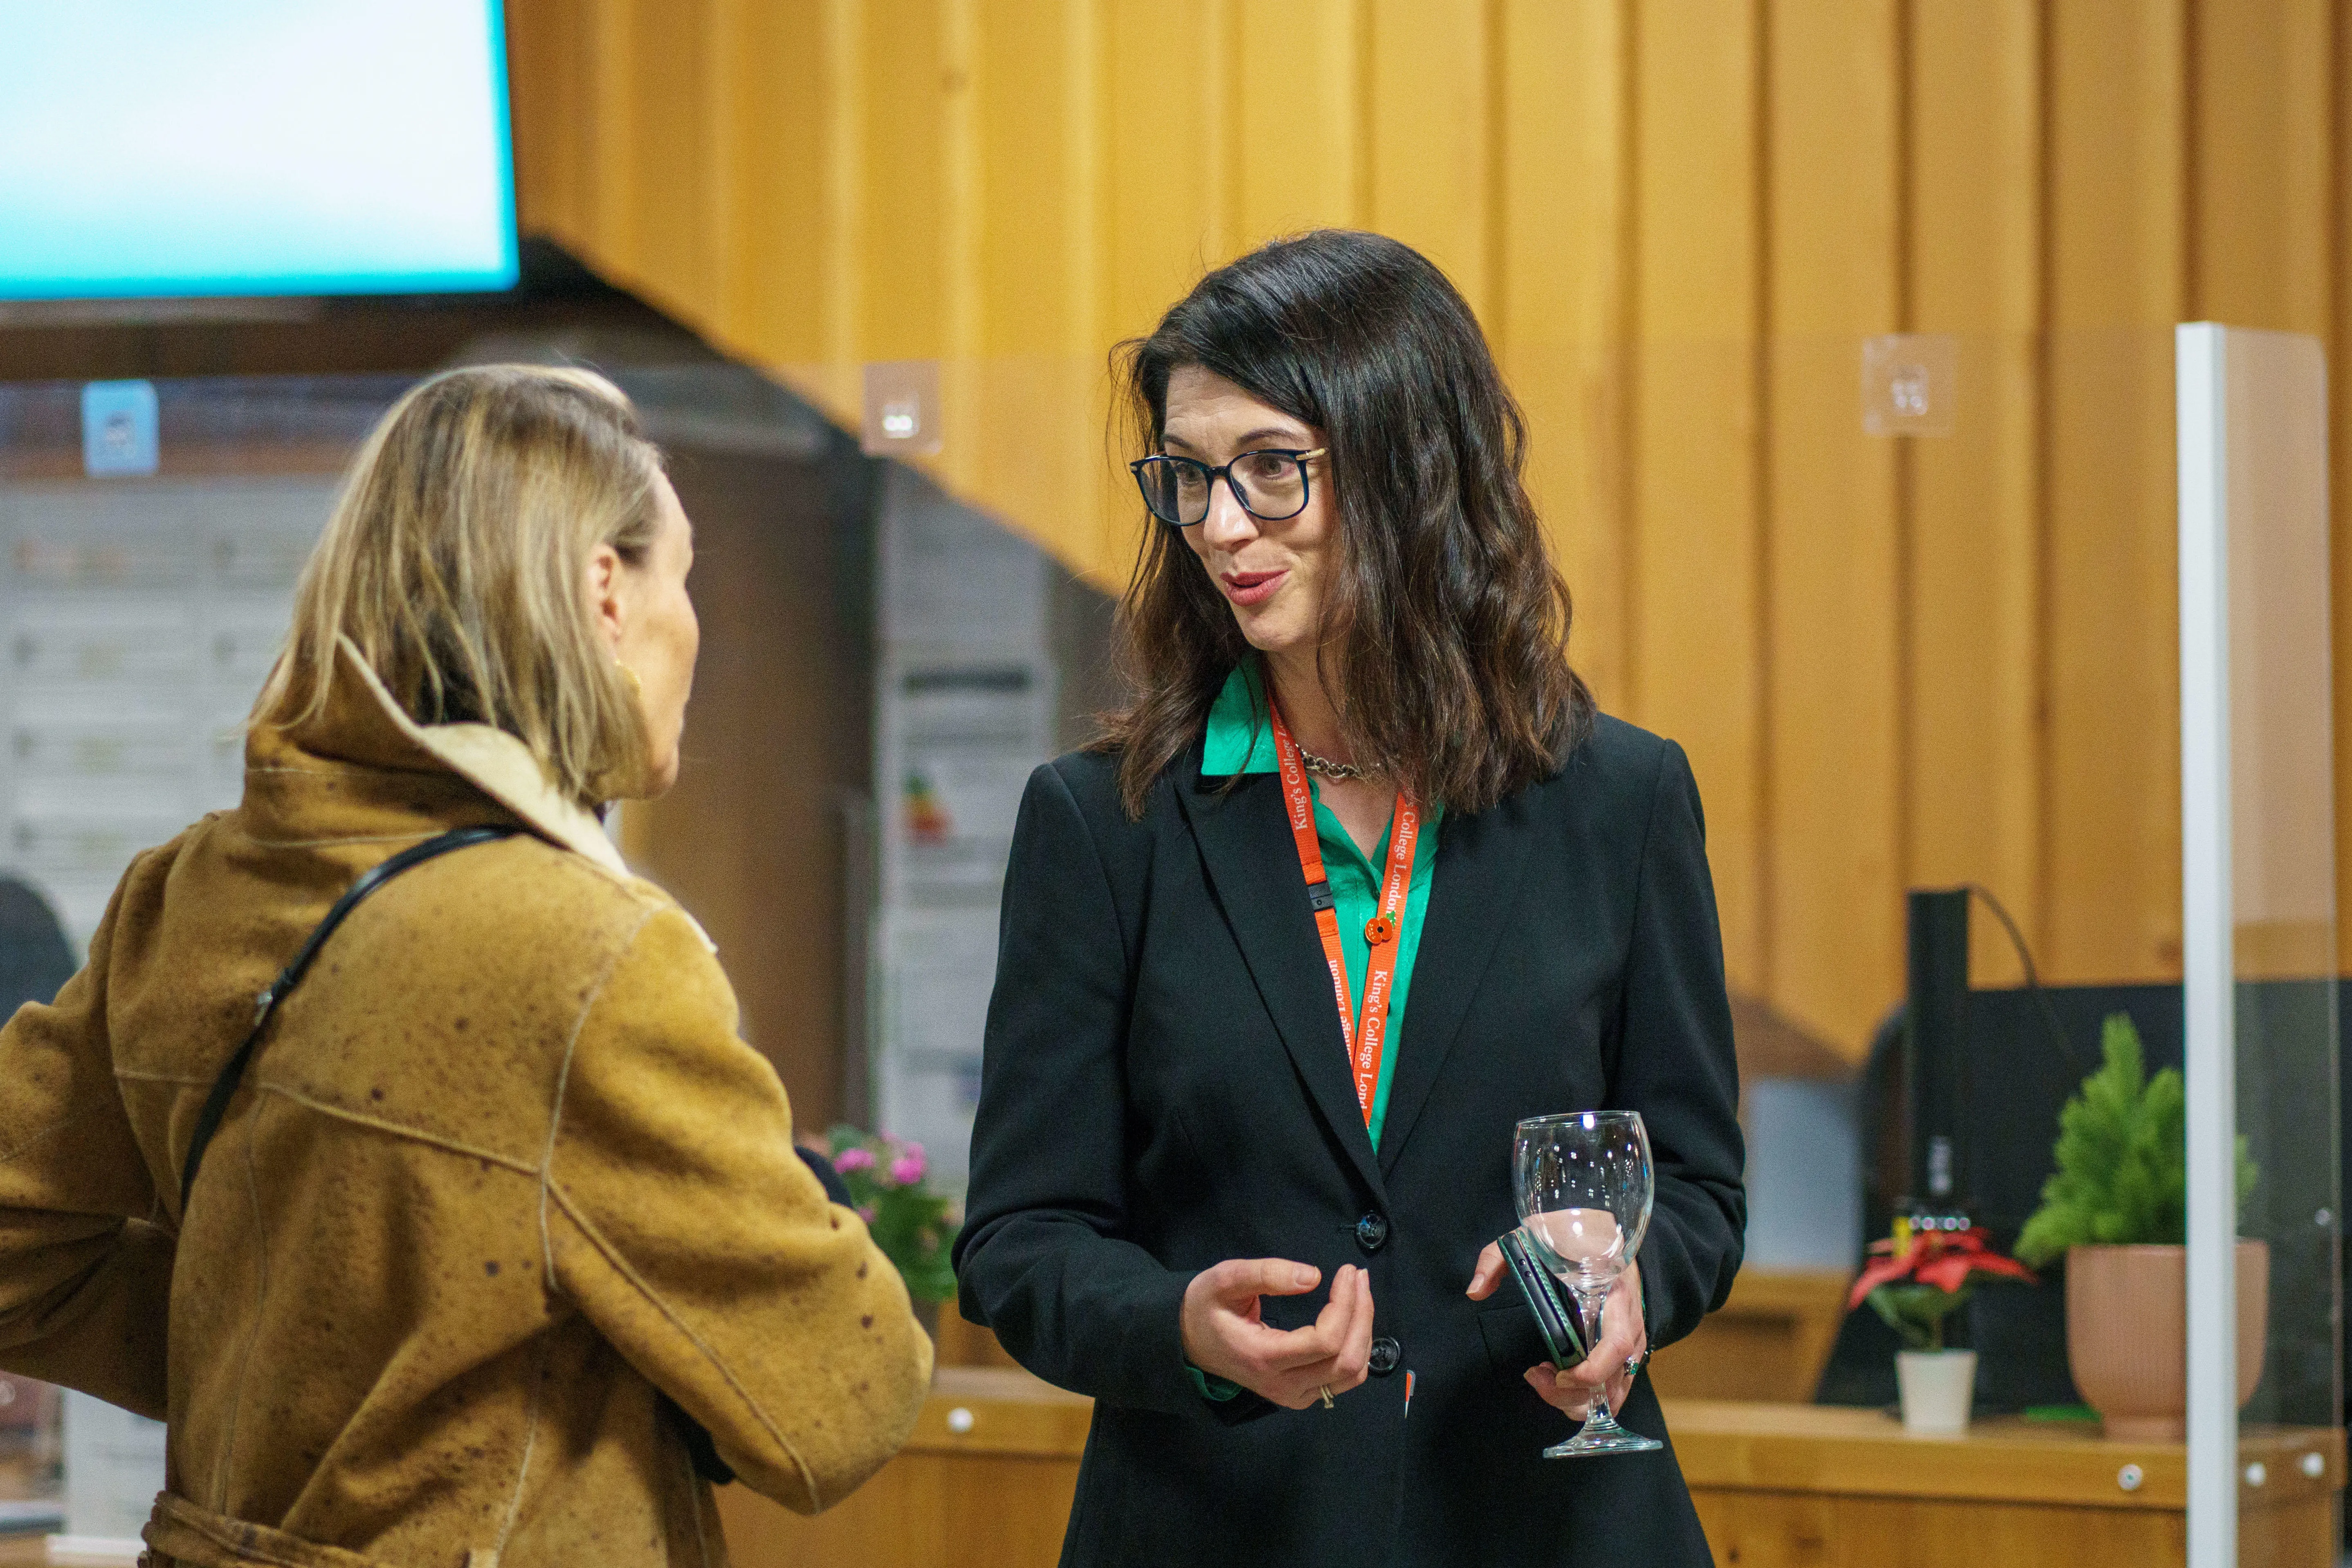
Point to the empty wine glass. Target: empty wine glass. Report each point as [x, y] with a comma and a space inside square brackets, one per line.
[1584, 1184]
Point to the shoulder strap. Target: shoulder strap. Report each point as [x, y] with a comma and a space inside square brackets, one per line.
[208, 1121]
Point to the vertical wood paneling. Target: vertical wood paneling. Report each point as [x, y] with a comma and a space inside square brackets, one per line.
[614, 152]
[2259, 232]
[774, 277]
[550, 71]
[2117, 180]
[907, 79]
[2262, 139]
[1166, 149]
[1975, 250]
[1560, 318]
[1429, 133]
[671, 95]
[1036, 442]
[1299, 82]
[1925, 661]
[1835, 778]
[964, 199]
[846, 235]
[1694, 606]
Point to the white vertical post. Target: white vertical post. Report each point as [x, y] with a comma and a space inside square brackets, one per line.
[2209, 987]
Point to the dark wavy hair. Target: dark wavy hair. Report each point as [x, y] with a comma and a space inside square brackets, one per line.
[1446, 624]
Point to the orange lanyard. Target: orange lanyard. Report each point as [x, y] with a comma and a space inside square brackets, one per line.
[1368, 1044]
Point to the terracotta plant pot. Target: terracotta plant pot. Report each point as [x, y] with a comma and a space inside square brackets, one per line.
[2127, 1333]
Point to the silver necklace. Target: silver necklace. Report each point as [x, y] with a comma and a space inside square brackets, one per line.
[1325, 767]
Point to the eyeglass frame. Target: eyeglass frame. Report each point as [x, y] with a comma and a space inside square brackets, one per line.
[1225, 471]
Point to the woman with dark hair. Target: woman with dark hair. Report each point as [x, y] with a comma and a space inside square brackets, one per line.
[1259, 1227]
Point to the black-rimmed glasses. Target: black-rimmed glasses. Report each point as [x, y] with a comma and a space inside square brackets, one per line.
[1271, 485]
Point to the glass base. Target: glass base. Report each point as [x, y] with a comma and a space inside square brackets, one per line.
[1601, 1434]
[1616, 1441]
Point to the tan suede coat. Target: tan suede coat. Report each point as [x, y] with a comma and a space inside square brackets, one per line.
[501, 1171]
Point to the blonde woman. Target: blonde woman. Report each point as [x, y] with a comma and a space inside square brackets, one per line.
[501, 1226]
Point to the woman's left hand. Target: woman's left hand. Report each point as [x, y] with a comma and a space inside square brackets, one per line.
[1624, 1339]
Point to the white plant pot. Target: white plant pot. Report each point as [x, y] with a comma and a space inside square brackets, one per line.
[1937, 1388]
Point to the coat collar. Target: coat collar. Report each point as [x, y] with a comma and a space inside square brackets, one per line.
[1245, 844]
[1472, 894]
[411, 776]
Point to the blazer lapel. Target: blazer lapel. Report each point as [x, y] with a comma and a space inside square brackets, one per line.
[1480, 863]
[1253, 865]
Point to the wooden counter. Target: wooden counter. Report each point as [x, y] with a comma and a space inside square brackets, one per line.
[1770, 1341]
[987, 1479]
[987, 1483]
[1792, 1484]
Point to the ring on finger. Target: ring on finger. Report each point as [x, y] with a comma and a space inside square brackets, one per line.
[1633, 1366]
[1325, 1390]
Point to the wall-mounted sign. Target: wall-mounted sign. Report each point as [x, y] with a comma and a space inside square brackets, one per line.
[121, 430]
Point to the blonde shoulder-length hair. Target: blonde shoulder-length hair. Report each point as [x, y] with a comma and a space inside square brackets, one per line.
[456, 559]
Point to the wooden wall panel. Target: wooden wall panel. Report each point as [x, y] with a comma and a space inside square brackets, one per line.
[2263, 201]
[1037, 290]
[1892, 661]
[2258, 233]
[551, 67]
[1834, 778]
[771, 197]
[908, 81]
[1560, 308]
[1298, 70]
[1973, 706]
[2118, 174]
[1695, 608]
[666, 228]
[1429, 137]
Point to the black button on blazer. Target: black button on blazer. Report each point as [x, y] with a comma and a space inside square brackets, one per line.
[1165, 1086]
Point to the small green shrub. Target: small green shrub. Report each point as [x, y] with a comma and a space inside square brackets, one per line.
[2123, 1159]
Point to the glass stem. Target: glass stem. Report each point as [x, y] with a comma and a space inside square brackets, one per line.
[1599, 1418]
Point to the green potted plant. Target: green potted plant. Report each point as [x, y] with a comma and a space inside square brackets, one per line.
[1916, 1280]
[2116, 1210]
[913, 1222]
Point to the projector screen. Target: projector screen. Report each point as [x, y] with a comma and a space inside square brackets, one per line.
[172, 148]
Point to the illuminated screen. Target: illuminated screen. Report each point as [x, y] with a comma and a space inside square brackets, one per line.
[163, 148]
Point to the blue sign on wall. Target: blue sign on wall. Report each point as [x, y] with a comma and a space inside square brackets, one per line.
[120, 431]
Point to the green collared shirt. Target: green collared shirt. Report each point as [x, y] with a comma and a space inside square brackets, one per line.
[1240, 740]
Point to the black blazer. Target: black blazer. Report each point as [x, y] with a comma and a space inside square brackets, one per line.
[1165, 1086]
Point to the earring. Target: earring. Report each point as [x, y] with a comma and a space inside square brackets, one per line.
[630, 678]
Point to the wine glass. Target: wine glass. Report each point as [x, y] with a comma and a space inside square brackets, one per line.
[1584, 1185]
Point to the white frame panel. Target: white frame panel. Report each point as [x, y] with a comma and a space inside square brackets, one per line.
[2208, 980]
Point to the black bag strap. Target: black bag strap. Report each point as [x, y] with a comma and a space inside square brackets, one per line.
[208, 1121]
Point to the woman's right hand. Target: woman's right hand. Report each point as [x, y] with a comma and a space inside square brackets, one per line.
[1224, 1337]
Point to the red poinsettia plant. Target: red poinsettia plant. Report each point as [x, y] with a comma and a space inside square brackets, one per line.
[1918, 1277]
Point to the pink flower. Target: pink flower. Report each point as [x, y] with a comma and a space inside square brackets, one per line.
[908, 1168]
[854, 1159]
[866, 1213]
